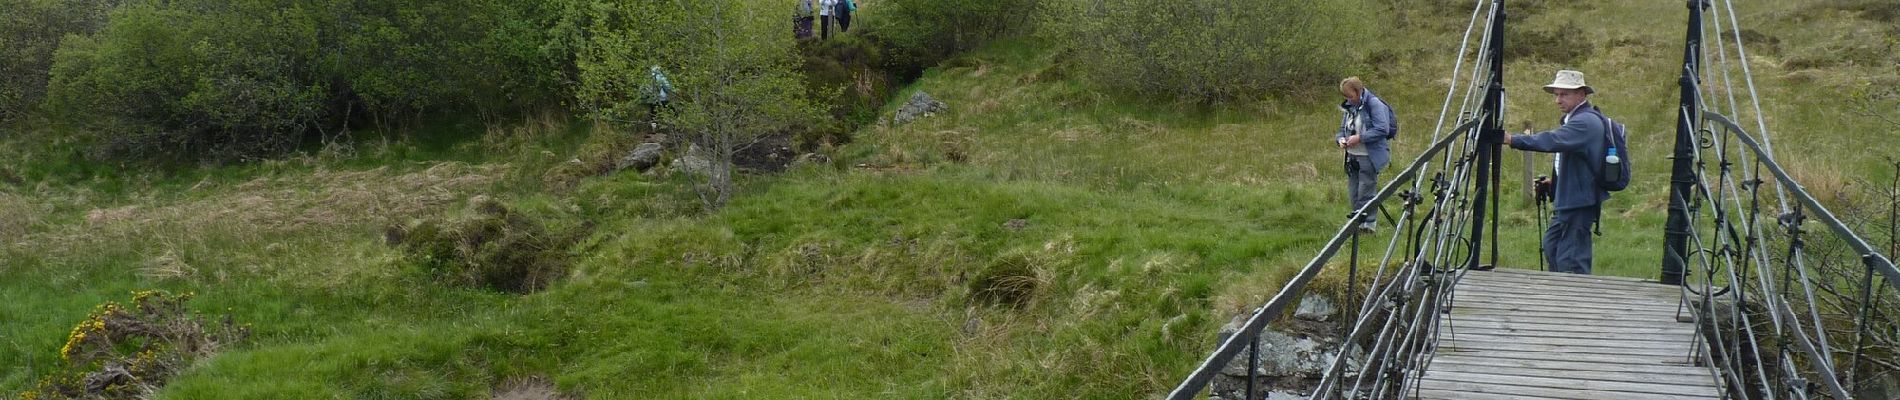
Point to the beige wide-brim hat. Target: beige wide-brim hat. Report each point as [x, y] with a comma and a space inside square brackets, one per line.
[1567, 79]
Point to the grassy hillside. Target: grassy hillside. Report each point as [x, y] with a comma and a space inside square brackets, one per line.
[1144, 225]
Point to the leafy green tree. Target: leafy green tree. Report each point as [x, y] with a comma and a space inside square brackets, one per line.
[1211, 51]
[179, 81]
[237, 79]
[30, 31]
[731, 63]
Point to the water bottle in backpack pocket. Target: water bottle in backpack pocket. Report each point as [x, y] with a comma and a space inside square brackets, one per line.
[1615, 172]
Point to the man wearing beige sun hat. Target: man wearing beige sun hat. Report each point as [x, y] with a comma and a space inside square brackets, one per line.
[1580, 152]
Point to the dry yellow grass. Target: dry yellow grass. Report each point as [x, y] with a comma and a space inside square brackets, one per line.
[242, 228]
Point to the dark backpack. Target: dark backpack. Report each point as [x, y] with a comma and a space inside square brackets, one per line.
[1392, 121]
[1394, 117]
[1615, 140]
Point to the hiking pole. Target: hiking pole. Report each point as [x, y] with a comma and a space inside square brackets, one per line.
[1542, 189]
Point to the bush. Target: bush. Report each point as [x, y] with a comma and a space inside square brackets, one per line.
[921, 33]
[129, 353]
[232, 80]
[848, 75]
[1211, 51]
[489, 246]
[30, 31]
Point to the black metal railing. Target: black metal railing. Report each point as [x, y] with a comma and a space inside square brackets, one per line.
[1763, 309]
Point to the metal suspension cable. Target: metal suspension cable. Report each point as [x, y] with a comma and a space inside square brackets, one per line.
[1741, 321]
[1438, 128]
[1761, 124]
[1721, 54]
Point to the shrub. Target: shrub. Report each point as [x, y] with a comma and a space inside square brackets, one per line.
[30, 31]
[921, 33]
[233, 80]
[847, 74]
[488, 246]
[129, 353]
[1210, 51]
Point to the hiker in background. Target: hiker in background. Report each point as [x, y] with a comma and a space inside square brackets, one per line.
[659, 94]
[825, 9]
[1579, 147]
[801, 21]
[843, 13]
[1362, 134]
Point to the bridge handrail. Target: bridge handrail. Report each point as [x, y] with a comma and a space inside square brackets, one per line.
[1228, 349]
[1870, 256]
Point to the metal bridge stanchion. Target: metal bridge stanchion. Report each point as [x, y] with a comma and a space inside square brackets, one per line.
[1682, 176]
[1860, 327]
[1352, 273]
[1253, 366]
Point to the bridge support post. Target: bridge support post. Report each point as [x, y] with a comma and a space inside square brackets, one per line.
[1682, 175]
[1490, 138]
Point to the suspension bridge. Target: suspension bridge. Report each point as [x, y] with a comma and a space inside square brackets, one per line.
[1738, 310]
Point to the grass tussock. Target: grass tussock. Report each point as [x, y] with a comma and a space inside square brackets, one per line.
[489, 246]
[1012, 279]
[18, 215]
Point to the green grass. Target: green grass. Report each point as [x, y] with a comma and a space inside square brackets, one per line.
[1149, 224]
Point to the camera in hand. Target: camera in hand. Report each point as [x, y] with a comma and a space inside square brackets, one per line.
[1544, 189]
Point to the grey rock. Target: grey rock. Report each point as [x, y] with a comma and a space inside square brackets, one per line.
[641, 158]
[1315, 308]
[1284, 395]
[811, 158]
[920, 105]
[1282, 355]
[694, 162]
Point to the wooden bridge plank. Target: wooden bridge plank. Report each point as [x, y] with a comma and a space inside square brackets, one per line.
[1535, 294]
[1518, 334]
[1566, 279]
[1636, 368]
[1559, 348]
[1448, 389]
[1683, 331]
[1613, 306]
[1618, 388]
[1670, 360]
[1558, 310]
[1558, 373]
[1465, 314]
[1532, 272]
[1441, 394]
[1597, 295]
[1594, 291]
[1585, 340]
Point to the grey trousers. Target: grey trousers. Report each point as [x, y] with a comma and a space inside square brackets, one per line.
[1362, 183]
[1567, 242]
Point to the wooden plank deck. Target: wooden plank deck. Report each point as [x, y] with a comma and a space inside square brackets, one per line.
[1521, 334]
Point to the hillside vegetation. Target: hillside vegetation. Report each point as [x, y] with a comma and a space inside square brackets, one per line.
[441, 220]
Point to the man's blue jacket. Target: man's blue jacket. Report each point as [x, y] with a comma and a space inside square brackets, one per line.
[1580, 141]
